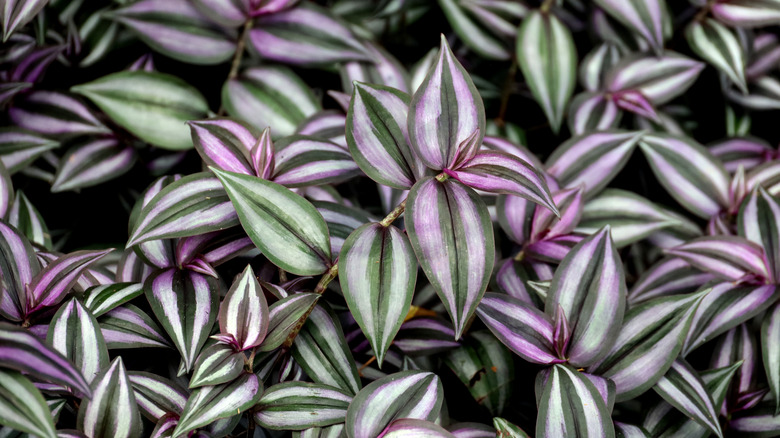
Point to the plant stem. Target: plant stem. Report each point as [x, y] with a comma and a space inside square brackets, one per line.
[702, 14]
[240, 46]
[506, 92]
[545, 7]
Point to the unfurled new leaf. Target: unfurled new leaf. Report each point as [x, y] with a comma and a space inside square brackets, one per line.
[243, 314]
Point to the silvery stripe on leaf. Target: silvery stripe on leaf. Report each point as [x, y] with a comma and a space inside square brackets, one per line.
[552, 250]
[472, 430]
[546, 225]
[570, 405]
[747, 152]
[217, 364]
[759, 221]
[165, 426]
[33, 66]
[765, 55]
[766, 175]
[385, 70]
[152, 106]
[377, 273]
[592, 112]
[307, 161]
[739, 345]
[592, 159]
[515, 215]
[210, 403]
[406, 427]
[74, 332]
[157, 396]
[28, 220]
[512, 147]
[306, 35]
[91, 163]
[129, 327]
[521, 327]
[659, 79]
[682, 387]
[159, 253]
[17, 272]
[51, 285]
[255, 97]
[513, 278]
[758, 422]
[596, 64]
[322, 351]
[446, 115]
[650, 19]
[378, 137]
[300, 405]
[720, 47]
[283, 316]
[451, 233]
[283, 225]
[177, 29]
[193, 205]
[689, 172]
[511, 430]
[327, 125]
[727, 257]
[342, 220]
[651, 338]
[548, 59]
[56, 114]
[185, 303]
[485, 40]
[112, 411]
[16, 13]
[498, 172]
[422, 336]
[225, 144]
[635, 102]
[6, 191]
[101, 299]
[243, 313]
[19, 147]
[763, 94]
[747, 13]
[770, 351]
[406, 394]
[23, 407]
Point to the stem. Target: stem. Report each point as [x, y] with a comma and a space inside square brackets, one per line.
[507, 91]
[282, 276]
[240, 46]
[702, 14]
[390, 218]
[545, 8]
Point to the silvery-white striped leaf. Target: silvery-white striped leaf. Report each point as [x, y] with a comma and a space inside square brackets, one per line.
[624, 430]
[747, 13]
[571, 405]
[659, 79]
[56, 114]
[209, 403]
[451, 233]
[513, 278]
[300, 405]
[592, 159]
[484, 26]
[406, 394]
[195, 204]
[682, 387]
[650, 340]
[759, 221]
[720, 47]
[28, 220]
[763, 94]
[307, 161]
[592, 111]
[689, 172]
[515, 215]
[74, 332]
[256, 97]
[157, 396]
[630, 216]
[16, 13]
[19, 147]
[747, 152]
[22, 407]
[545, 225]
[473, 430]
[739, 346]
[92, 162]
[505, 428]
[727, 257]
[326, 125]
[226, 144]
[650, 19]
[6, 191]
[486, 367]
[102, 298]
[406, 427]
[283, 316]
[227, 14]
[378, 137]
[35, 64]
[669, 276]
[322, 351]
[165, 426]
[596, 64]
[305, 35]
[446, 118]
[112, 411]
[97, 34]
[152, 106]
[377, 273]
[424, 336]
[217, 364]
[770, 351]
[342, 220]
[129, 327]
[758, 422]
[283, 225]
[548, 60]
[9, 89]
[185, 303]
[523, 328]
[177, 29]
[384, 69]
[243, 313]
[552, 250]
[766, 175]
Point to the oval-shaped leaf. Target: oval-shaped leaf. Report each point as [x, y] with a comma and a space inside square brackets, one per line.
[283, 316]
[101, 299]
[91, 163]
[157, 396]
[719, 46]
[19, 147]
[55, 114]
[129, 327]
[728, 257]
[74, 332]
[19, 268]
[308, 161]
[112, 411]
[217, 364]
[683, 389]
[658, 78]
[647, 18]
[300, 405]
[243, 314]
[22, 406]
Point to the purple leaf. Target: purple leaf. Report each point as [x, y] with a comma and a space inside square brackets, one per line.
[424, 336]
[552, 250]
[669, 276]
[112, 410]
[739, 346]
[406, 427]
[225, 144]
[18, 275]
[300, 405]
[283, 316]
[74, 332]
[307, 161]
[19, 147]
[243, 314]
[757, 221]
[682, 387]
[129, 327]
[728, 257]
[91, 163]
[745, 152]
[17, 13]
[472, 430]
[747, 13]
[157, 396]
[658, 79]
[513, 278]
[55, 114]
[227, 14]
[647, 18]
[217, 364]
[593, 112]
[514, 216]
[546, 225]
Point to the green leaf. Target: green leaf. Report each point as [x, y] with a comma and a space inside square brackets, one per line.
[112, 412]
[22, 406]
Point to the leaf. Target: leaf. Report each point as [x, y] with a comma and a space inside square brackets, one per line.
[225, 144]
[90, 163]
[507, 429]
[589, 287]
[28, 220]
[683, 389]
[129, 327]
[747, 13]
[405, 427]
[770, 351]
[307, 161]
[287, 228]
[19, 147]
[243, 314]
[300, 405]
[757, 221]
[482, 29]
[669, 276]
[377, 273]
[112, 411]
[6, 191]
[649, 341]
[758, 422]
[283, 316]
[591, 160]
[185, 303]
[217, 364]
[695, 178]
[18, 268]
[17, 13]
[523, 328]
[450, 231]
[720, 47]
[727, 257]
[406, 394]
[378, 136]
[152, 106]
[74, 332]
[446, 115]
[195, 204]
[342, 220]
[157, 396]
[596, 64]
[592, 112]
[746, 152]
[103, 298]
[647, 18]
[210, 403]
[658, 78]
[548, 59]
[424, 336]
[22, 407]
[55, 114]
